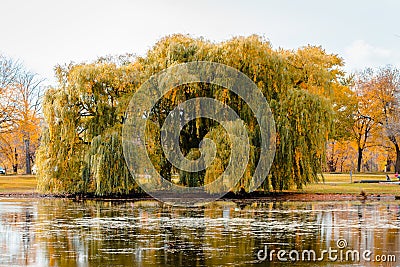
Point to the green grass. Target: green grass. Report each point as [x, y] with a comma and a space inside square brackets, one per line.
[340, 183]
[345, 177]
[17, 183]
[333, 184]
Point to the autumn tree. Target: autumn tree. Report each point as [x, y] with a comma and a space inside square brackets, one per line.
[364, 127]
[341, 155]
[81, 151]
[9, 74]
[20, 120]
[381, 89]
[320, 73]
[81, 148]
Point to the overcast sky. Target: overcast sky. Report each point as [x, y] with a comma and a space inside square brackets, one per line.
[43, 33]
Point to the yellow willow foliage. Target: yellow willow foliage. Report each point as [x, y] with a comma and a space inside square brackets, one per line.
[303, 125]
[81, 150]
[192, 179]
[106, 165]
[223, 142]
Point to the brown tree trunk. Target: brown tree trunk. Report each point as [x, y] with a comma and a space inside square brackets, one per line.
[388, 165]
[359, 160]
[15, 166]
[397, 164]
[331, 161]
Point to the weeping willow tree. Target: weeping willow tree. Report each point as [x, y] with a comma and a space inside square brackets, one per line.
[81, 150]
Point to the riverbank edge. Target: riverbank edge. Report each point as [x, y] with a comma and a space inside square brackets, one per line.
[255, 196]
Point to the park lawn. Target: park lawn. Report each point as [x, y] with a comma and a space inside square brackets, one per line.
[333, 184]
[18, 183]
[345, 177]
[347, 188]
[340, 184]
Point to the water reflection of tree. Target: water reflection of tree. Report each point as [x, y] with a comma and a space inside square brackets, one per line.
[26, 235]
[17, 235]
[149, 233]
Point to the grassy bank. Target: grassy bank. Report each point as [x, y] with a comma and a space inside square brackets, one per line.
[17, 184]
[340, 183]
[333, 184]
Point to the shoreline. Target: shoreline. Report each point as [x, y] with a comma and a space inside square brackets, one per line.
[267, 197]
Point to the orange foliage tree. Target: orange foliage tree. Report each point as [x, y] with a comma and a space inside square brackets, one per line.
[20, 118]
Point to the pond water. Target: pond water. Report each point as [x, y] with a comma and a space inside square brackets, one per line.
[62, 232]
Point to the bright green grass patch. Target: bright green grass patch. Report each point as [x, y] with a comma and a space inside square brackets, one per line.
[18, 183]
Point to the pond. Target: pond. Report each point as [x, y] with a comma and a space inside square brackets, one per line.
[62, 232]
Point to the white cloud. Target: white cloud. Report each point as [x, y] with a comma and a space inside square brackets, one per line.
[360, 55]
